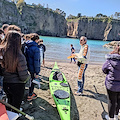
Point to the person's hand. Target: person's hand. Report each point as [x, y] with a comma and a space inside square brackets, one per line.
[73, 55]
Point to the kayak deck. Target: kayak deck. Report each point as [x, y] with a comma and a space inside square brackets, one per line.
[63, 105]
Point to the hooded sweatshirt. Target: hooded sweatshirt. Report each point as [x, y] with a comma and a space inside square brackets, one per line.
[112, 68]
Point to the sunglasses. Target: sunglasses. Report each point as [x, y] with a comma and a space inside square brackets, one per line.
[82, 40]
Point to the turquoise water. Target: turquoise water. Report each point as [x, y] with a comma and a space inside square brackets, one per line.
[58, 49]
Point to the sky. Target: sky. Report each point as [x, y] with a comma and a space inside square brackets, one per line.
[85, 7]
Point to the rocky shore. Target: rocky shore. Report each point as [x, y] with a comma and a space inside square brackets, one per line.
[111, 44]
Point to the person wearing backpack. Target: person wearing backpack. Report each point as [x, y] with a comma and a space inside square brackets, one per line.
[33, 62]
[24, 44]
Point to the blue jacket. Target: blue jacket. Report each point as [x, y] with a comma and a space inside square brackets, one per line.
[33, 57]
[112, 68]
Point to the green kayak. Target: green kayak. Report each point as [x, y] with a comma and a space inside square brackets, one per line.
[60, 92]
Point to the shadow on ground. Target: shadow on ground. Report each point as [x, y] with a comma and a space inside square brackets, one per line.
[101, 97]
[40, 109]
[74, 111]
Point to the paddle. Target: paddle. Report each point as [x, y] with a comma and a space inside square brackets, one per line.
[14, 108]
[72, 56]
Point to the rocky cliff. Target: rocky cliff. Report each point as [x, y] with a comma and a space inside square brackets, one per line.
[94, 28]
[33, 19]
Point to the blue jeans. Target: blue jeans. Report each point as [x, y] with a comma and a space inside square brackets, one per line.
[81, 82]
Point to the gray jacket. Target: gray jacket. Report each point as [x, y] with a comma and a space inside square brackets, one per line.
[21, 75]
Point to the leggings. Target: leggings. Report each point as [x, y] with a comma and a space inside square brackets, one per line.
[31, 88]
[113, 103]
[73, 59]
[15, 93]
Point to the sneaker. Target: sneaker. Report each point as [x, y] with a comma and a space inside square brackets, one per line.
[108, 118]
[78, 93]
[119, 113]
[34, 96]
[116, 117]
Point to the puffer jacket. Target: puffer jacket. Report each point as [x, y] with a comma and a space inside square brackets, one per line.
[112, 68]
[33, 57]
[21, 75]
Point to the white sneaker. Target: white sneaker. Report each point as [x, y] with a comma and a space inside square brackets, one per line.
[115, 117]
[78, 93]
[119, 113]
[108, 118]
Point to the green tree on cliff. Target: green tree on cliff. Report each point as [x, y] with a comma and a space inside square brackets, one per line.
[79, 15]
[72, 17]
[60, 12]
[100, 15]
[117, 15]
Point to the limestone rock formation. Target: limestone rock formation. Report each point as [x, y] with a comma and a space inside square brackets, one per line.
[33, 19]
[94, 28]
[111, 44]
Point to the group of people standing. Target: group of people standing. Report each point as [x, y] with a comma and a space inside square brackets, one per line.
[21, 57]
[20, 60]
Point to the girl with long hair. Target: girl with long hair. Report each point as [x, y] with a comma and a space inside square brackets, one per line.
[14, 68]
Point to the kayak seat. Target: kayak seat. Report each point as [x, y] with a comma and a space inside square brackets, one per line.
[64, 84]
[61, 94]
[58, 76]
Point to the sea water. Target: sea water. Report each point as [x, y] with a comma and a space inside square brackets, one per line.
[58, 49]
